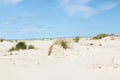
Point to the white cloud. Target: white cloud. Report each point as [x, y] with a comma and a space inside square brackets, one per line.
[5, 23]
[73, 7]
[77, 6]
[108, 6]
[10, 2]
[11, 18]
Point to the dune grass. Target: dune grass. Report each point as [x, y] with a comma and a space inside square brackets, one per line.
[64, 44]
[76, 39]
[100, 36]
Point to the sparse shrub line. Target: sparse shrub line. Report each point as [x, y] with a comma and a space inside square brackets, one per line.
[21, 46]
[100, 36]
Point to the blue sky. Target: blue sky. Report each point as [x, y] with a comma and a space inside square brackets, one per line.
[25, 19]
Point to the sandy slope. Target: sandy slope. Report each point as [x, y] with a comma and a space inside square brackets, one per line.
[81, 62]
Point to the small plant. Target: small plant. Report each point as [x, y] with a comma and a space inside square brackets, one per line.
[1, 40]
[21, 45]
[76, 39]
[100, 44]
[100, 36]
[91, 44]
[31, 47]
[64, 44]
[12, 49]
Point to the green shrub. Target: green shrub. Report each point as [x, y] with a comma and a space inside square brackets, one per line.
[1, 40]
[91, 44]
[21, 45]
[64, 44]
[31, 47]
[100, 36]
[76, 39]
[12, 49]
[100, 44]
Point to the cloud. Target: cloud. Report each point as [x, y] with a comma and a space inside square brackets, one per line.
[5, 23]
[77, 7]
[108, 6]
[82, 7]
[10, 2]
[11, 18]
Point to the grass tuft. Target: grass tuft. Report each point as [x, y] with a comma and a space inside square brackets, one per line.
[76, 39]
[64, 44]
[31, 47]
[100, 36]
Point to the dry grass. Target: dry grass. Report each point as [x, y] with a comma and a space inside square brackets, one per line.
[112, 37]
[50, 50]
[64, 44]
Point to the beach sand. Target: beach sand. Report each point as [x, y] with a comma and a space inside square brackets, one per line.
[81, 61]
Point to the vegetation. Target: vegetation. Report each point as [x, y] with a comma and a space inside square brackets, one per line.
[76, 39]
[100, 36]
[21, 45]
[1, 40]
[12, 49]
[91, 44]
[31, 47]
[64, 44]
[100, 44]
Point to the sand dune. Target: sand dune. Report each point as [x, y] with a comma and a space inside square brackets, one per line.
[81, 61]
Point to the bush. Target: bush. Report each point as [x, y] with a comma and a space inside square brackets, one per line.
[77, 39]
[1, 40]
[64, 44]
[31, 47]
[100, 36]
[100, 44]
[21, 45]
[12, 49]
[91, 44]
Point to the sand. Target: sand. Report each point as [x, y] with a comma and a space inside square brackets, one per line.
[82, 61]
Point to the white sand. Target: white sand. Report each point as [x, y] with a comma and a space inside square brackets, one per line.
[80, 62]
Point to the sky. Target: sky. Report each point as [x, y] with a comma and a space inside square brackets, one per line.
[28, 19]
